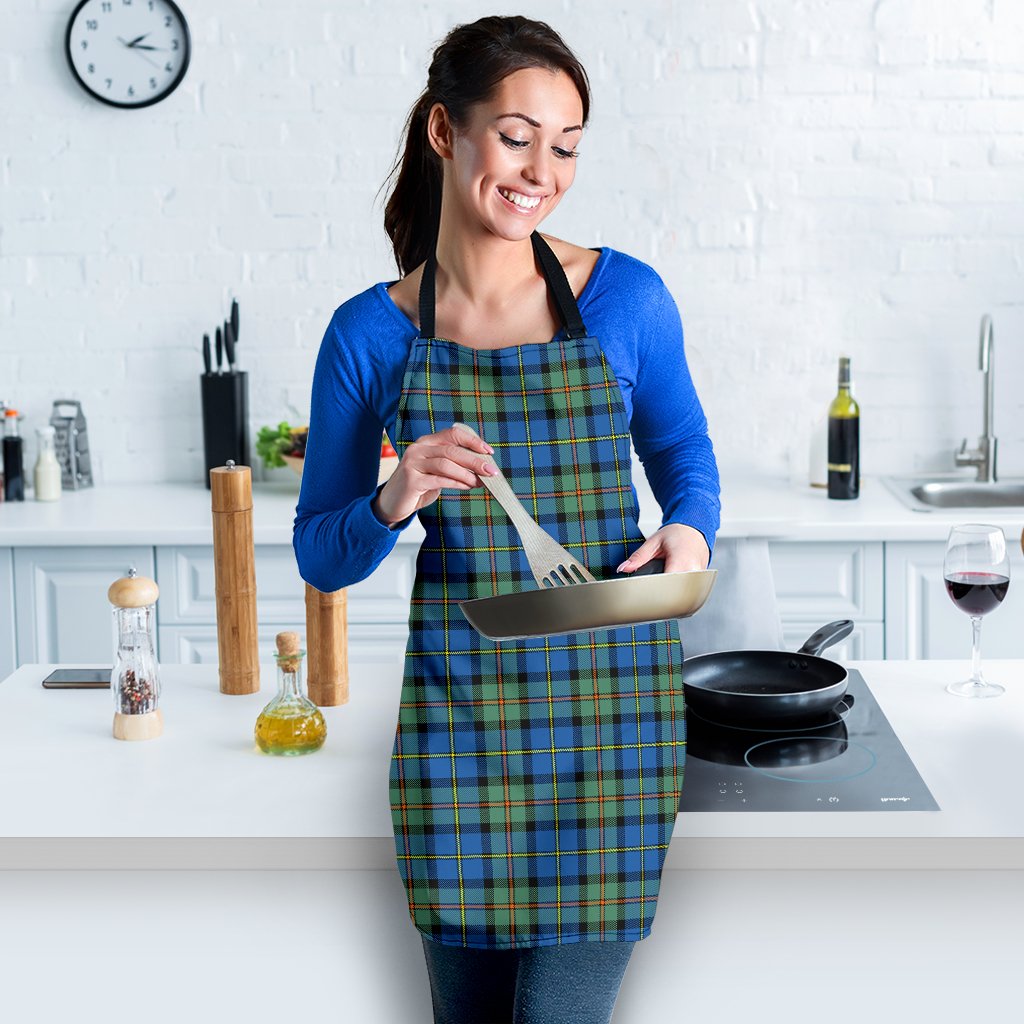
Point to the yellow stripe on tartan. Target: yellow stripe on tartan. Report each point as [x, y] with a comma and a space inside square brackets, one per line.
[640, 770]
[447, 669]
[492, 550]
[559, 647]
[541, 853]
[618, 471]
[580, 439]
[554, 783]
[543, 750]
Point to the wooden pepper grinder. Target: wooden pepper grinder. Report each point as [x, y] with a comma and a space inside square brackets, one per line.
[234, 564]
[135, 682]
[327, 640]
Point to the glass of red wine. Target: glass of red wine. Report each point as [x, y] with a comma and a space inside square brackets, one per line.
[977, 575]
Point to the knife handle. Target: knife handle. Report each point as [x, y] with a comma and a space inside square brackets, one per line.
[206, 353]
[229, 346]
[219, 343]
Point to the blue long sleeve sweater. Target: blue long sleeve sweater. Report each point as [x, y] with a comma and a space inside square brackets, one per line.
[357, 383]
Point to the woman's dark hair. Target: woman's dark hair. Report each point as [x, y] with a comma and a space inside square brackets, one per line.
[466, 69]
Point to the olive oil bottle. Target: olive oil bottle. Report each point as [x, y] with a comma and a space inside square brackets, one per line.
[291, 723]
[844, 439]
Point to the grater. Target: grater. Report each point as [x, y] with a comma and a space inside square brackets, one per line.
[71, 444]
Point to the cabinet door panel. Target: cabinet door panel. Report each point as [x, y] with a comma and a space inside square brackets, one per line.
[8, 648]
[867, 641]
[921, 620]
[187, 575]
[832, 580]
[197, 645]
[61, 595]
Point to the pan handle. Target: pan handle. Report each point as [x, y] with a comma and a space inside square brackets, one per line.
[651, 568]
[827, 636]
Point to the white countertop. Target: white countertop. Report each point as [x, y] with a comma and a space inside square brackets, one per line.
[66, 785]
[179, 513]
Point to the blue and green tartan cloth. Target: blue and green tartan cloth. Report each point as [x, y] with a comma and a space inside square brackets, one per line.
[534, 783]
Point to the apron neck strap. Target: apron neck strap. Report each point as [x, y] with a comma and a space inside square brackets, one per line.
[568, 308]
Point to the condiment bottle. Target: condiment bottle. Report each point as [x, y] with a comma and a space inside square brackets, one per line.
[290, 723]
[134, 681]
[14, 459]
[46, 475]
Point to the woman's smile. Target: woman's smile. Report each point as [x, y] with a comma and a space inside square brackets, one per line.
[520, 201]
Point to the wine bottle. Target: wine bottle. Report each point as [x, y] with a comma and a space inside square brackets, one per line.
[14, 459]
[844, 439]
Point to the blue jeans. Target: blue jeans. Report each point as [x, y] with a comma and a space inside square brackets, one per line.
[575, 983]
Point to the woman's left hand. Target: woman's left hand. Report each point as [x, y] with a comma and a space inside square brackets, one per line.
[682, 547]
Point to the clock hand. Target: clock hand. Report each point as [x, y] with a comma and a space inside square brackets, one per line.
[138, 39]
[147, 47]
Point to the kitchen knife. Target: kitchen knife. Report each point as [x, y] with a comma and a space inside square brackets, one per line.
[234, 320]
[229, 345]
[220, 349]
[206, 352]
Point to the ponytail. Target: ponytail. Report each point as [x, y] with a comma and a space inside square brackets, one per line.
[414, 207]
[466, 68]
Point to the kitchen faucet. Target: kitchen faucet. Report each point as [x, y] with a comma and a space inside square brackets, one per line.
[984, 456]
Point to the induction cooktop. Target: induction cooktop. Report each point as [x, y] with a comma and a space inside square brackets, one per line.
[848, 759]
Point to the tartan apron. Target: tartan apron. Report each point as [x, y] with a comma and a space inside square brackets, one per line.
[534, 783]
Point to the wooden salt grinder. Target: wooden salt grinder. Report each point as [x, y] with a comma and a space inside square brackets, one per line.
[327, 646]
[234, 565]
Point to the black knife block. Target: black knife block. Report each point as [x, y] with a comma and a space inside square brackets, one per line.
[225, 400]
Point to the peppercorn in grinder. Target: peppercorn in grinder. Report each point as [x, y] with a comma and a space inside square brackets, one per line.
[134, 681]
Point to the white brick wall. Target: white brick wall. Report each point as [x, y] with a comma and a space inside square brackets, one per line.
[810, 178]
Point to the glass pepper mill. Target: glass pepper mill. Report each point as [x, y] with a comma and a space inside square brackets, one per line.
[290, 723]
[134, 681]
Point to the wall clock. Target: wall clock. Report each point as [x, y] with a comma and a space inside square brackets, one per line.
[128, 53]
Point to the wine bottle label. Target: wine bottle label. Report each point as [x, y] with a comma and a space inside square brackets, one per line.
[843, 457]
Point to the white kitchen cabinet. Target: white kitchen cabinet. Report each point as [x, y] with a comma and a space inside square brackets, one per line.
[188, 597]
[921, 620]
[8, 647]
[197, 645]
[818, 582]
[61, 597]
[867, 641]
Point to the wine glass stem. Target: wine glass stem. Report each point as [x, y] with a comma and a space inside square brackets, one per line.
[976, 651]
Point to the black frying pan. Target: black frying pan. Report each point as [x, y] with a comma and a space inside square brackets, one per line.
[803, 745]
[767, 686]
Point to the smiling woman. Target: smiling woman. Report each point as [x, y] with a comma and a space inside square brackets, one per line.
[534, 783]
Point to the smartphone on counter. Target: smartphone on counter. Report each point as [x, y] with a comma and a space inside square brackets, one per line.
[78, 679]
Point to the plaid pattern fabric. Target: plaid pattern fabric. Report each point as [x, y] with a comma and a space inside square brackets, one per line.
[534, 783]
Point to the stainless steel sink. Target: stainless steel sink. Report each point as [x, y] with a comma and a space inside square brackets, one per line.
[930, 494]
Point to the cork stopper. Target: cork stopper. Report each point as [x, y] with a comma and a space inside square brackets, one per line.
[133, 591]
[289, 651]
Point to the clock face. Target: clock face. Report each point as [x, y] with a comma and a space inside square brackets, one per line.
[128, 53]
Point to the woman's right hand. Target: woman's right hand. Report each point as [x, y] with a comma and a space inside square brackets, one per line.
[449, 458]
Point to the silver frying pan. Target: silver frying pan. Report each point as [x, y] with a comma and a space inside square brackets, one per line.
[569, 598]
[605, 604]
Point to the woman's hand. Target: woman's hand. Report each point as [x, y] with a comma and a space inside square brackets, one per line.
[449, 458]
[682, 547]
